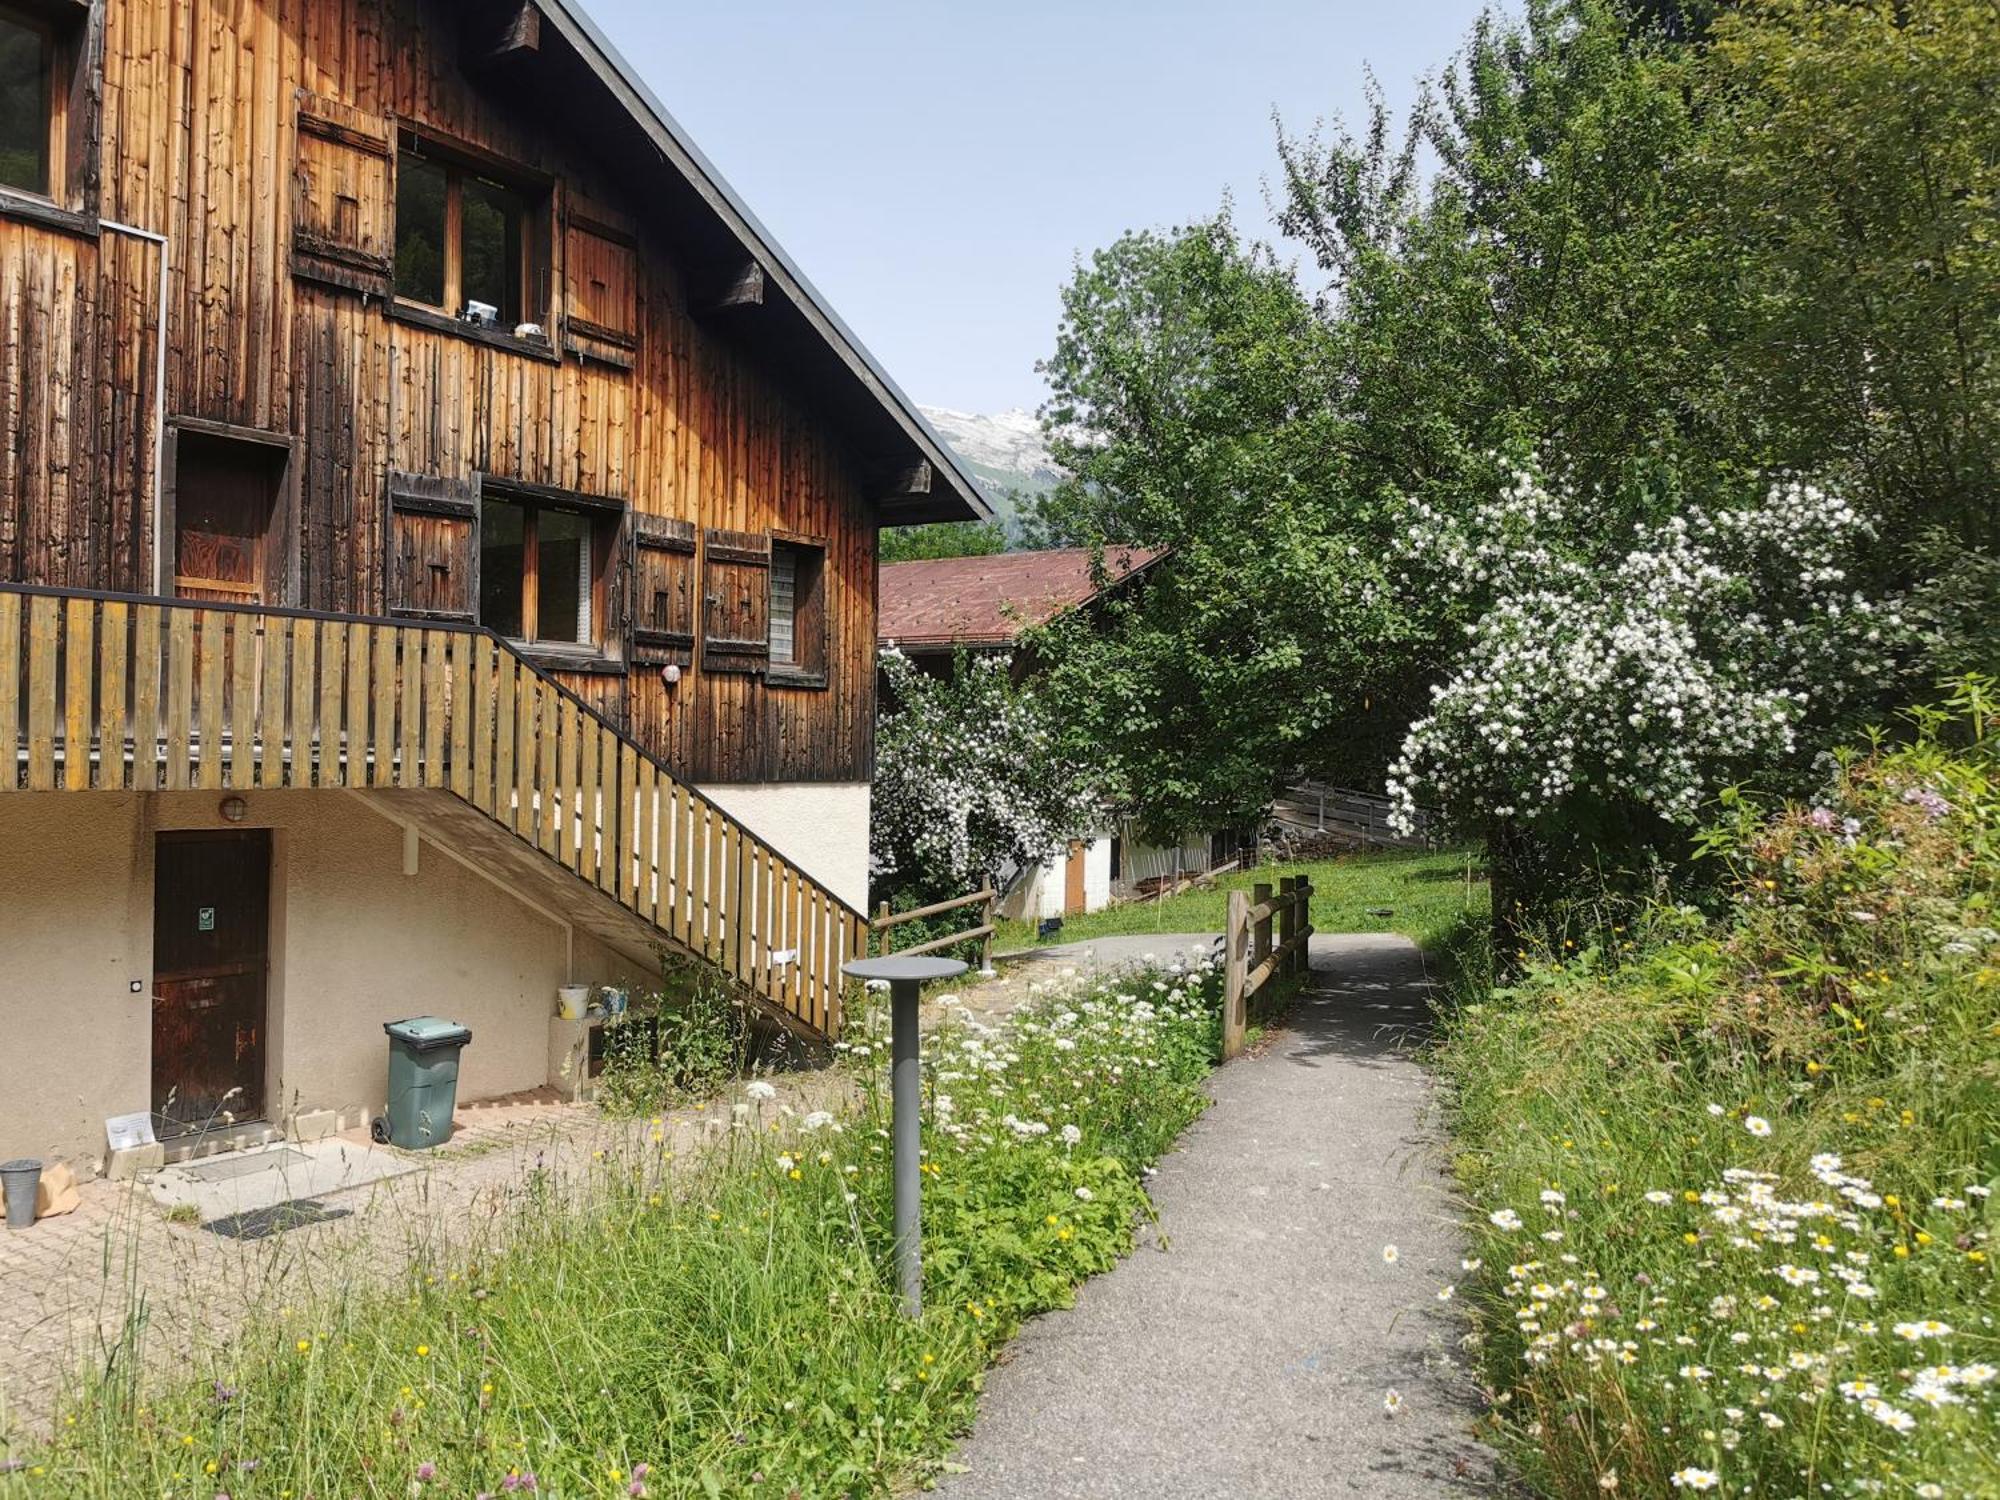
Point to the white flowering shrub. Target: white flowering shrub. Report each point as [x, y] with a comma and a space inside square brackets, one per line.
[970, 780]
[1637, 666]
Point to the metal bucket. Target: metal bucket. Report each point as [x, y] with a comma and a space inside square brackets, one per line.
[21, 1180]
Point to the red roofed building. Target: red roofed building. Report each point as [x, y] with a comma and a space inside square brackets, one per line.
[933, 608]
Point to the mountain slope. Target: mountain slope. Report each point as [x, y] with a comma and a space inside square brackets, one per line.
[1004, 451]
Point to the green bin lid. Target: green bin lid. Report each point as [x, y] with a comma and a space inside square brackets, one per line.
[427, 1033]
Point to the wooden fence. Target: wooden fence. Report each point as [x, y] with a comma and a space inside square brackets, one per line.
[884, 925]
[1251, 959]
[1309, 810]
[117, 693]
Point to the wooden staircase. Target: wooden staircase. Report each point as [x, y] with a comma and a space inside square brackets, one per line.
[123, 693]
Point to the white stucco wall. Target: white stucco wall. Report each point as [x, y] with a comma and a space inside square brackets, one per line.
[821, 826]
[354, 942]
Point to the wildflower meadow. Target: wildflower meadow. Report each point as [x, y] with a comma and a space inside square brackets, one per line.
[1733, 1171]
[719, 1323]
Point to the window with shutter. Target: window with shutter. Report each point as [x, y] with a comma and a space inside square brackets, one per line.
[433, 564]
[663, 589]
[736, 582]
[798, 613]
[340, 197]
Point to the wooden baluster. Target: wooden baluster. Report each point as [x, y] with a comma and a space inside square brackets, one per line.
[460, 710]
[147, 665]
[527, 704]
[409, 656]
[547, 775]
[10, 689]
[212, 651]
[44, 633]
[242, 768]
[560, 781]
[356, 738]
[382, 723]
[271, 702]
[112, 675]
[607, 811]
[297, 748]
[628, 838]
[487, 717]
[436, 688]
[79, 687]
[1286, 924]
[590, 812]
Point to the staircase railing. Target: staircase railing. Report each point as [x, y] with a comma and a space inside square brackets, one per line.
[117, 692]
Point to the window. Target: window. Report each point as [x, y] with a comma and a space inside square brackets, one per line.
[798, 615]
[541, 571]
[464, 242]
[27, 68]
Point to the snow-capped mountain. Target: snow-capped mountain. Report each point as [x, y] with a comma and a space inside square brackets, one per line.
[1004, 451]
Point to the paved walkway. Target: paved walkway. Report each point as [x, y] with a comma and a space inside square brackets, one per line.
[1247, 1347]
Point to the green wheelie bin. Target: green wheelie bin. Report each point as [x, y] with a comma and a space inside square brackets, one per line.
[423, 1081]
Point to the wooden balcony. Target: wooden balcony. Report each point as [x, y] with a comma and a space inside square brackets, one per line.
[119, 693]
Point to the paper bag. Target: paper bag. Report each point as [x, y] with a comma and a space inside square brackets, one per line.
[57, 1194]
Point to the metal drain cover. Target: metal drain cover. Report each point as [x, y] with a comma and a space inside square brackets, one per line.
[229, 1168]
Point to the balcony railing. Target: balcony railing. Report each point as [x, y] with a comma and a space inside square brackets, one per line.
[112, 692]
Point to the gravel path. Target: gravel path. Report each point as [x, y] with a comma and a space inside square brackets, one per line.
[1247, 1347]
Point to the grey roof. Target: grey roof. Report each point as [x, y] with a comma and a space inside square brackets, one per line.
[653, 118]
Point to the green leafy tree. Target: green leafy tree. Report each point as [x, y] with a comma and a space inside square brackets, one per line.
[942, 539]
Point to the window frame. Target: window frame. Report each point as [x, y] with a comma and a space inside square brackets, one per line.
[607, 520]
[536, 192]
[807, 666]
[73, 59]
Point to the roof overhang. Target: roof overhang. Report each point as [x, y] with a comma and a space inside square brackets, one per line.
[742, 283]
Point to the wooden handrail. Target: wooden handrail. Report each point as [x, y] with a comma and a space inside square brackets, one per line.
[884, 920]
[936, 908]
[119, 692]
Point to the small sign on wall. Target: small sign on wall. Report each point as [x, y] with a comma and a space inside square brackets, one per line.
[204, 919]
[125, 1132]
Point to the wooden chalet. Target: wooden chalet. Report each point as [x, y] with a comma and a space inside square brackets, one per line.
[437, 557]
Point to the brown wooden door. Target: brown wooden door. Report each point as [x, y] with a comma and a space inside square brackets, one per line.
[211, 943]
[1073, 880]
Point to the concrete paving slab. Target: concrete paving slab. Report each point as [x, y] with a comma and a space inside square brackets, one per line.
[1248, 1347]
[264, 1177]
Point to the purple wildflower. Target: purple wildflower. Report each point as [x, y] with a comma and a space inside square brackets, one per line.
[1823, 819]
[427, 1470]
[1934, 806]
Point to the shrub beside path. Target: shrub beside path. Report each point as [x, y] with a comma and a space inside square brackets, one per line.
[1249, 1346]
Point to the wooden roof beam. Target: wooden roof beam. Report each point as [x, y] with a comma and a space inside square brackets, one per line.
[911, 482]
[499, 35]
[741, 288]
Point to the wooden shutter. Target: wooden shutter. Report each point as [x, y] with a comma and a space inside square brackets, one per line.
[341, 198]
[433, 562]
[601, 272]
[663, 590]
[736, 592]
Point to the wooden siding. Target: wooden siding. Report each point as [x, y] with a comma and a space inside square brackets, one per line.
[280, 233]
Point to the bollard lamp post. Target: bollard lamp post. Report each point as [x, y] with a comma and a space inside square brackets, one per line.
[905, 977]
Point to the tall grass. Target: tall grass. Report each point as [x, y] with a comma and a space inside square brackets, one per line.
[1734, 1179]
[721, 1323]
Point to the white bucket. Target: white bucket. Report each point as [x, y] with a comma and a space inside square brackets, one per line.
[572, 1000]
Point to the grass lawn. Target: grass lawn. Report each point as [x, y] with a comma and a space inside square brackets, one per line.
[1429, 898]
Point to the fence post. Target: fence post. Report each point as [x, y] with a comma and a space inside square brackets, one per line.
[986, 920]
[1288, 922]
[1232, 975]
[882, 915]
[1305, 892]
[1261, 950]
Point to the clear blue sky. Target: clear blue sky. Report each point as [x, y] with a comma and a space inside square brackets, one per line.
[936, 167]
